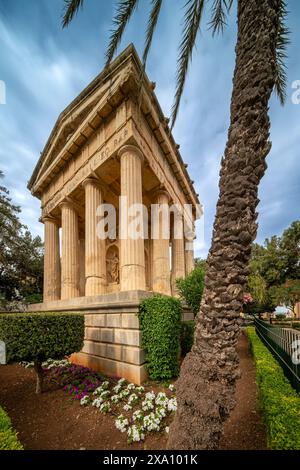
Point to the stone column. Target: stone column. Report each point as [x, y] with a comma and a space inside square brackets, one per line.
[51, 260]
[70, 252]
[95, 256]
[161, 245]
[189, 256]
[82, 267]
[132, 256]
[178, 252]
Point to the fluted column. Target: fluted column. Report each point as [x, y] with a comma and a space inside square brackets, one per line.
[51, 260]
[178, 252]
[189, 256]
[70, 252]
[95, 261]
[82, 267]
[161, 245]
[132, 255]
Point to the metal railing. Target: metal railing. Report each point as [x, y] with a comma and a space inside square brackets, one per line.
[284, 344]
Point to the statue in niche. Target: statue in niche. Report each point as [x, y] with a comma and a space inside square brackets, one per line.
[113, 266]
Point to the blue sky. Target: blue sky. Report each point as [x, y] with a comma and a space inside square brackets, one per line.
[45, 67]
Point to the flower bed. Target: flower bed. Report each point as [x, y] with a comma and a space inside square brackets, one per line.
[136, 410]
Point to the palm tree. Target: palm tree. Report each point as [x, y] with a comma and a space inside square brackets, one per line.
[205, 388]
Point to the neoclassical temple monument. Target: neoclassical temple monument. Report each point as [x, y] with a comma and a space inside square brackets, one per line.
[112, 141]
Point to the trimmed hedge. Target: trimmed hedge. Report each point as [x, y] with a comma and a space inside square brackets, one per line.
[160, 320]
[40, 336]
[8, 437]
[279, 401]
[187, 336]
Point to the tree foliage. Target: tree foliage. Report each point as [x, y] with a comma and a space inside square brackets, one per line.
[191, 287]
[21, 255]
[271, 265]
[40, 336]
[192, 18]
[287, 294]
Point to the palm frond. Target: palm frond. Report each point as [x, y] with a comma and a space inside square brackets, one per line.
[71, 7]
[152, 22]
[192, 20]
[124, 11]
[281, 46]
[220, 8]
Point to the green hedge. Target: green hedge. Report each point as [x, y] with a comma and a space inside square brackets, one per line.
[160, 320]
[187, 336]
[279, 401]
[8, 437]
[40, 336]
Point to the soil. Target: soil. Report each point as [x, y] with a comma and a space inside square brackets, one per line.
[54, 420]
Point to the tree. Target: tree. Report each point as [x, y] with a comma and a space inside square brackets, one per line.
[21, 255]
[290, 248]
[37, 337]
[287, 294]
[191, 287]
[205, 388]
[271, 264]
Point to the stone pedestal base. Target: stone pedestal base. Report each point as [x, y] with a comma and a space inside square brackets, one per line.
[113, 339]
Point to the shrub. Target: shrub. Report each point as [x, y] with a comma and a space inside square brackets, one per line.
[279, 401]
[39, 336]
[191, 288]
[187, 336]
[8, 437]
[160, 320]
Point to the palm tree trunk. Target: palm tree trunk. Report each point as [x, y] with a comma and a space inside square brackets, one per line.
[206, 386]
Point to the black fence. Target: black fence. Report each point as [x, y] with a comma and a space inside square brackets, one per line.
[284, 344]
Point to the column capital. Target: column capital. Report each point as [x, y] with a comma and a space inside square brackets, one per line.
[162, 192]
[70, 204]
[91, 180]
[129, 148]
[49, 218]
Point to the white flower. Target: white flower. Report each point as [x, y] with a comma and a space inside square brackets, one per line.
[151, 422]
[105, 385]
[135, 434]
[172, 388]
[104, 394]
[172, 404]
[85, 400]
[121, 423]
[150, 396]
[117, 388]
[130, 387]
[161, 411]
[167, 429]
[147, 405]
[132, 399]
[115, 399]
[139, 389]
[97, 402]
[124, 393]
[138, 415]
[127, 407]
[105, 407]
[161, 399]
[122, 381]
